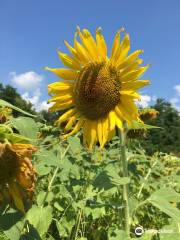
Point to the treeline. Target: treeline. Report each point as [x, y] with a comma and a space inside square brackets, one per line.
[166, 139]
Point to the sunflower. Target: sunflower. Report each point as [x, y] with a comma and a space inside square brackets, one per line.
[148, 114]
[17, 174]
[97, 91]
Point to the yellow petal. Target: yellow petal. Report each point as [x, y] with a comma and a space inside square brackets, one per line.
[60, 106]
[118, 112]
[100, 132]
[105, 126]
[111, 134]
[81, 52]
[69, 61]
[121, 112]
[129, 60]
[131, 67]
[93, 133]
[112, 120]
[66, 115]
[128, 104]
[57, 87]
[134, 85]
[71, 122]
[101, 44]
[123, 50]
[71, 49]
[66, 74]
[130, 93]
[89, 43]
[86, 134]
[116, 44]
[61, 98]
[133, 75]
[76, 128]
[119, 122]
[17, 196]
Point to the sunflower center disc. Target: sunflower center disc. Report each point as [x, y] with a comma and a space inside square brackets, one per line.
[8, 164]
[96, 91]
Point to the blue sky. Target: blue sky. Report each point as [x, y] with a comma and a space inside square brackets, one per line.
[31, 32]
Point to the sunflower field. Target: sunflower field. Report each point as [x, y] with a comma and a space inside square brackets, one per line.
[87, 176]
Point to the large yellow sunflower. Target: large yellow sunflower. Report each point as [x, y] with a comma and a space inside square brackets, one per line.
[97, 91]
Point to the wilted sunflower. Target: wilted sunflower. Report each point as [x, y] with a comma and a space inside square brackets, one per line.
[97, 91]
[16, 172]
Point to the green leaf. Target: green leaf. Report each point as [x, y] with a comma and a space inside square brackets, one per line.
[58, 207]
[114, 177]
[47, 157]
[65, 226]
[41, 196]
[116, 234]
[168, 194]
[139, 125]
[170, 232]
[165, 206]
[6, 104]
[11, 225]
[75, 144]
[14, 233]
[40, 218]
[16, 138]
[42, 170]
[9, 219]
[26, 126]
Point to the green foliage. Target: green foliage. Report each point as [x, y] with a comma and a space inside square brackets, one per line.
[10, 95]
[79, 194]
[166, 139]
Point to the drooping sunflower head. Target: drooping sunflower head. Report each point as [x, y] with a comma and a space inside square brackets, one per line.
[98, 91]
[16, 171]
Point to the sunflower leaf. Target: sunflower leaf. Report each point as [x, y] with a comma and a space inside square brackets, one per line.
[9, 105]
[139, 125]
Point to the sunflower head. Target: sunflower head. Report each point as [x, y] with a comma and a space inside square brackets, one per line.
[5, 114]
[16, 171]
[148, 114]
[98, 91]
[137, 133]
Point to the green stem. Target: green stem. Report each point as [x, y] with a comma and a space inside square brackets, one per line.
[125, 174]
[53, 177]
[145, 180]
[77, 224]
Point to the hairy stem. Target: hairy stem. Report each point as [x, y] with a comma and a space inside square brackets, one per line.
[123, 156]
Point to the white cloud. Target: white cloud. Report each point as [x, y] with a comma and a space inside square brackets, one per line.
[177, 89]
[175, 101]
[144, 101]
[35, 100]
[26, 81]
[44, 106]
[31, 84]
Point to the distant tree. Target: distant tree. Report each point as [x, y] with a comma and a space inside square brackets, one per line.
[166, 139]
[48, 117]
[11, 95]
